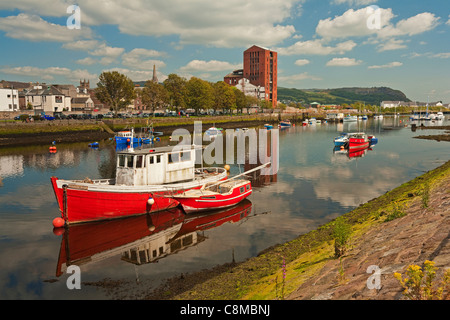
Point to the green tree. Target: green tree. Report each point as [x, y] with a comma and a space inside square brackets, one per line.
[199, 94]
[115, 90]
[265, 104]
[241, 99]
[154, 95]
[224, 97]
[176, 89]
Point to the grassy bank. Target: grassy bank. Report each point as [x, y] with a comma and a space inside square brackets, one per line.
[280, 270]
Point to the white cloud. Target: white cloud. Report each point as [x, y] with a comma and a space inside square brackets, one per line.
[417, 24]
[448, 22]
[302, 62]
[316, 47]
[343, 62]
[48, 8]
[217, 23]
[136, 59]
[355, 2]
[82, 45]
[212, 65]
[389, 65]
[442, 55]
[50, 73]
[374, 21]
[392, 44]
[88, 61]
[34, 28]
[107, 51]
[353, 23]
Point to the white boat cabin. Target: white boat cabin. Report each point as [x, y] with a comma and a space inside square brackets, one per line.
[155, 166]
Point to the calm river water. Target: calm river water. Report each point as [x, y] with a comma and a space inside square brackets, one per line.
[313, 186]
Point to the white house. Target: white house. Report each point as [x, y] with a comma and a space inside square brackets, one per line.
[249, 89]
[9, 100]
[48, 99]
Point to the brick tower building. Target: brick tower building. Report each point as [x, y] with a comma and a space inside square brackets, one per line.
[260, 68]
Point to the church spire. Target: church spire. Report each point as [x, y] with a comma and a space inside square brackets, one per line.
[154, 79]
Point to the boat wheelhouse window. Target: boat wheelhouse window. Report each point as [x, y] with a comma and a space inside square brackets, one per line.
[242, 189]
[158, 159]
[129, 161]
[121, 160]
[247, 187]
[185, 156]
[140, 161]
[152, 160]
[174, 157]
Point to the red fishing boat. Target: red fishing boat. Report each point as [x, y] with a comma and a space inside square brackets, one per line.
[358, 141]
[214, 196]
[144, 183]
[218, 195]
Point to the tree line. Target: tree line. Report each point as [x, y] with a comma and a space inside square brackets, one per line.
[176, 93]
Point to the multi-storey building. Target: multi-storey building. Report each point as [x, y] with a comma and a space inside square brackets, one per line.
[260, 68]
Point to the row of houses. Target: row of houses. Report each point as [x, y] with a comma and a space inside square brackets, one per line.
[16, 96]
[412, 104]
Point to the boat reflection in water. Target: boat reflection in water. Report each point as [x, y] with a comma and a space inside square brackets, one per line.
[350, 154]
[141, 239]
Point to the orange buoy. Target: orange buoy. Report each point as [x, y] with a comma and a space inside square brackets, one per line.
[58, 231]
[58, 222]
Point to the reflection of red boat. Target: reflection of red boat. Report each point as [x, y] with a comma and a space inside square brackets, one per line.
[214, 196]
[358, 141]
[141, 239]
[205, 221]
[358, 154]
[144, 179]
[95, 241]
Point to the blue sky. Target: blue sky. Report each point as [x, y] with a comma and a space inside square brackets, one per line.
[402, 44]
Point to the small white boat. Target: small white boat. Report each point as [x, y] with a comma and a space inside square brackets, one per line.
[213, 132]
[350, 118]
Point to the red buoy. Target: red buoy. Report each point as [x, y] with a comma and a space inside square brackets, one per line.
[58, 222]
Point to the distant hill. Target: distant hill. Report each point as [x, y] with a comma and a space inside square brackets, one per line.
[372, 96]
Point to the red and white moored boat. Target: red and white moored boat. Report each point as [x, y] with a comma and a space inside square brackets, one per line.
[214, 196]
[144, 183]
[358, 141]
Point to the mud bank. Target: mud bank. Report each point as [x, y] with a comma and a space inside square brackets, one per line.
[48, 137]
[66, 133]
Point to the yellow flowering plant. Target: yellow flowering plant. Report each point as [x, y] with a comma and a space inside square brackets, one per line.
[420, 284]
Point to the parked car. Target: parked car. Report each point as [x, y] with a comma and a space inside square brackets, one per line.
[22, 117]
[59, 116]
[47, 117]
